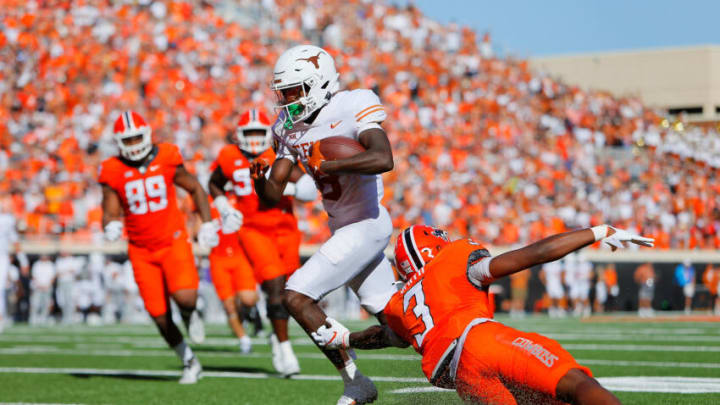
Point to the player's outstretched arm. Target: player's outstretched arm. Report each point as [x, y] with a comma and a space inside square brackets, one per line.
[555, 247]
[334, 335]
[270, 189]
[187, 181]
[376, 159]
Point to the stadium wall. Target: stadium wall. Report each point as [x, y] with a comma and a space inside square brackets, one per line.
[674, 79]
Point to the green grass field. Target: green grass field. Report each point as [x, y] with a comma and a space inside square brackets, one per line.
[642, 362]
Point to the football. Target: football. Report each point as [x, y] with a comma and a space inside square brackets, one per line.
[340, 147]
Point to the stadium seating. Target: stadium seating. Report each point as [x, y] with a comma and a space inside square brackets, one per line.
[482, 144]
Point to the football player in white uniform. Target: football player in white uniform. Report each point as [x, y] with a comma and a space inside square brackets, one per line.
[551, 275]
[313, 109]
[578, 272]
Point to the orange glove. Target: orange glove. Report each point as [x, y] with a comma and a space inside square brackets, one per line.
[316, 158]
[258, 168]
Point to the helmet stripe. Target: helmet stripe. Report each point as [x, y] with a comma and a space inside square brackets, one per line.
[411, 248]
[128, 120]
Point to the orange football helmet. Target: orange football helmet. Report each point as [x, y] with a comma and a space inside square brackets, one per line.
[130, 125]
[253, 120]
[416, 246]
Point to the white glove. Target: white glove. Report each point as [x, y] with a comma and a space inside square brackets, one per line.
[208, 237]
[113, 231]
[230, 218]
[336, 336]
[618, 238]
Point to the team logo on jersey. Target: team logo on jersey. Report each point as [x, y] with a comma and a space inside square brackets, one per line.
[313, 60]
[153, 168]
[238, 162]
[536, 350]
[128, 173]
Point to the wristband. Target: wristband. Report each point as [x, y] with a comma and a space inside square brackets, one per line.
[600, 232]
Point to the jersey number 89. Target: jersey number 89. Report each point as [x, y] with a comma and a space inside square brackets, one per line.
[139, 193]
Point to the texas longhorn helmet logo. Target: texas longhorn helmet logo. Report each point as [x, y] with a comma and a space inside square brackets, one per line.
[313, 60]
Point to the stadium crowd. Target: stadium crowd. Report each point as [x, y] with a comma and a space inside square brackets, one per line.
[482, 144]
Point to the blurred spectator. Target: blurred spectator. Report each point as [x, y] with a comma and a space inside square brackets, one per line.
[578, 275]
[685, 278]
[8, 239]
[645, 279]
[67, 268]
[43, 277]
[711, 279]
[518, 293]
[551, 276]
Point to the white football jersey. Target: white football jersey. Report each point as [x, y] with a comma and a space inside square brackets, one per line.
[347, 198]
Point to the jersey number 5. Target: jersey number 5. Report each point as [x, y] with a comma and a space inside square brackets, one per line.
[421, 310]
[139, 193]
[242, 182]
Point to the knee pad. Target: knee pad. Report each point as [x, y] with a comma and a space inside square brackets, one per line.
[277, 311]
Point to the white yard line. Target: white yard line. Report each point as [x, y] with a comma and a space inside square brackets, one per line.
[174, 373]
[680, 385]
[641, 348]
[25, 350]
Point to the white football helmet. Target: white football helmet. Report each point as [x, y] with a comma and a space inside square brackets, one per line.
[304, 79]
[130, 125]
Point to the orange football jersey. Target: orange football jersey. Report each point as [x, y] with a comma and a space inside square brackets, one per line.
[236, 167]
[437, 303]
[147, 195]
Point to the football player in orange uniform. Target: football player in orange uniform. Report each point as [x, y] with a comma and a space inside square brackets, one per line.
[139, 186]
[444, 312]
[269, 235]
[233, 279]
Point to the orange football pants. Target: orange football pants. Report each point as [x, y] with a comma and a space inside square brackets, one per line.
[231, 274]
[497, 359]
[159, 272]
[272, 253]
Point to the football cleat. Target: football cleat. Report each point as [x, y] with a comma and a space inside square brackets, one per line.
[277, 360]
[196, 328]
[361, 390]
[191, 372]
[245, 344]
[291, 366]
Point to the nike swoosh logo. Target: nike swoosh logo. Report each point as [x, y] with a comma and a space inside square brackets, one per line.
[332, 126]
[332, 338]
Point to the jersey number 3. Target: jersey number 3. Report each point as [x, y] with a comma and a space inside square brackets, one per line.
[139, 193]
[421, 310]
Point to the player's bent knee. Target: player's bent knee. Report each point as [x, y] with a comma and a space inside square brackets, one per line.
[277, 311]
[294, 301]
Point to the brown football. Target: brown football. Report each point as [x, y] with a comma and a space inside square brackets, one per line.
[340, 147]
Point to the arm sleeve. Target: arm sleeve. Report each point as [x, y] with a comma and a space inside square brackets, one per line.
[104, 174]
[174, 156]
[369, 111]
